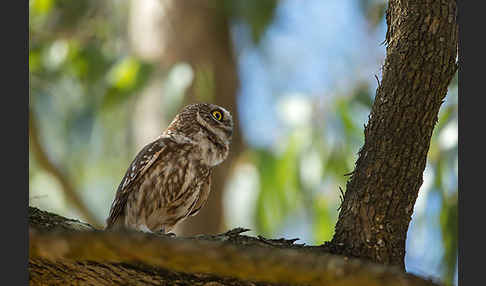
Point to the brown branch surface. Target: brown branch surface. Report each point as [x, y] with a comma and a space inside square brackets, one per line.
[45, 163]
[420, 63]
[58, 244]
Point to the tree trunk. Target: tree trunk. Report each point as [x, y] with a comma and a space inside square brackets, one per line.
[380, 196]
[68, 252]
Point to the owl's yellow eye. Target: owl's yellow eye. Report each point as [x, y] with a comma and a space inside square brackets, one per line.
[217, 115]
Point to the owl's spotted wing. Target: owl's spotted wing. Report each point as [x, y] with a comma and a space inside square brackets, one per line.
[142, 162]
[203, 195]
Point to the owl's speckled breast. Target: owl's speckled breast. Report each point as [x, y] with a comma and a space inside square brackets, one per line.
[170, 192]
[170, 178]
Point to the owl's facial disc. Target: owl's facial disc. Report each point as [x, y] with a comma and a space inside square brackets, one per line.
[224, 121]
[218, 121]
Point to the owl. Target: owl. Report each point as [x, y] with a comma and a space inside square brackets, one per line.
[170, 178]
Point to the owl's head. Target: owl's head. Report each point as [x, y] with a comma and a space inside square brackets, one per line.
[202, 124]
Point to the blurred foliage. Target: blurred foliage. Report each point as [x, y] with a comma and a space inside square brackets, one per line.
[258, 14]
[80, 67]
[443, 156]
[204, 83]
[374, 10]
[288, 179]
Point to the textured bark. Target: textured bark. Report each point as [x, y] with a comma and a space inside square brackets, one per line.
[47, 272]
[380, 196]
[68, 252]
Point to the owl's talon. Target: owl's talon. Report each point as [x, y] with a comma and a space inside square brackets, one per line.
[163, 233]
[160, 232]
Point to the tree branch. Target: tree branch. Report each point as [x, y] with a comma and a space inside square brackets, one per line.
[226, 255]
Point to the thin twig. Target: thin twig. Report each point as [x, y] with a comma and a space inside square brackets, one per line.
[377, 80]
[341, 197]
[49, 166]
[348, 174]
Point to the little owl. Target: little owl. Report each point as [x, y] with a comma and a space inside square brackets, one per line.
[170, 178]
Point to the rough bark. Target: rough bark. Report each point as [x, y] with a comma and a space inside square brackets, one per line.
[68, 252]
[380, 196]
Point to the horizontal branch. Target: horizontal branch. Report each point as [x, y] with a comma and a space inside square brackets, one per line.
[228, 255]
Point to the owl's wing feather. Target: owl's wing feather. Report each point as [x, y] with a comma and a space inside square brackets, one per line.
[203, 195]
[142, 162]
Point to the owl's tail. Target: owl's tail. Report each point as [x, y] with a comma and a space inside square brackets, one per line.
[115, 224]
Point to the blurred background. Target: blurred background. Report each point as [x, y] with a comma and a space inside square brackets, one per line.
[106, 78]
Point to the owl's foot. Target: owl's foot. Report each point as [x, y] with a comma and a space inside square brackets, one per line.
[163, 233]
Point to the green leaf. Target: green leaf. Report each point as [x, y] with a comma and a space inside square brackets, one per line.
[35, 61]
[123, 75]
[41, 6]
[279, 194]
[344, 113]
[449, 225]
[323, 225]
